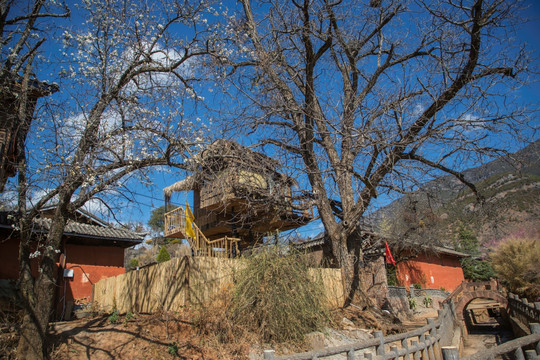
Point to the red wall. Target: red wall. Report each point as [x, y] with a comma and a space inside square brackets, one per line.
[9, 259]
[431, 271]
[90, 264]
[97, 262]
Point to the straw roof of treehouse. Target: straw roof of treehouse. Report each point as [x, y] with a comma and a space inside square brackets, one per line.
[224, 154]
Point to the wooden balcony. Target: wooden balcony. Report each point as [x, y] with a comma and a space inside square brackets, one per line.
[175, 226]
[175, 223]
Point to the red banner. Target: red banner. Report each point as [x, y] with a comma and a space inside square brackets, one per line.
[389, 257]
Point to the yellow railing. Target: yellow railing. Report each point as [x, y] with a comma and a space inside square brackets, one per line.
[175, 225]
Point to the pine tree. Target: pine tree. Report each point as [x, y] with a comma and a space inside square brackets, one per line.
[474, 267]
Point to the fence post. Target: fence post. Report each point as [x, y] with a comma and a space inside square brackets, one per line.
[535, 329]
[394, 349]
[518, 354]
[405, 345]
[269, 354]
[425, 351]
[450, 353]
[380, 347]
[416, 354]
[530, 355]
[435, 346]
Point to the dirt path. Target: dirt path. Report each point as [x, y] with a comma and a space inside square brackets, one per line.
[485, 337]
[143, 337]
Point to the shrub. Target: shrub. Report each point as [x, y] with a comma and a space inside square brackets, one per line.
[163, 255]
[173, 348]
[412, 303]
[133, 263]
[516, 263]
[113, 318]
[428, 301]
[278, 298]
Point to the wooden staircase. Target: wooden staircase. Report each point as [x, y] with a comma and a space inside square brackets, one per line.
[177, 226]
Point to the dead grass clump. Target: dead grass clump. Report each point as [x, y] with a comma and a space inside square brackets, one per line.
[277, 298]
[516, 263]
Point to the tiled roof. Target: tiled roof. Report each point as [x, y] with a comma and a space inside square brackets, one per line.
[321, 239]
[78, 229]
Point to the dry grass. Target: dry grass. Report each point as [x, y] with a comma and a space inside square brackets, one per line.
[276, 298]
[516, 262]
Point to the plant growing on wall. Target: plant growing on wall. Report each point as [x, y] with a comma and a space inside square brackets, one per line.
[163, 255]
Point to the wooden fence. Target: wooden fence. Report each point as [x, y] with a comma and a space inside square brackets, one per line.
[514, 347]
[424, 343]
[522, 310]
[181, 281]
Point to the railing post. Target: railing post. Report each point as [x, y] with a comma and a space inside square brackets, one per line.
[435, 346]
[518, 354]
[416, 354]
[350, 354]
[450, 353]
[530, 355]
[394, 349]
[269, 354]
[405, 345]
[425, 351]
[535, 329]
[380, 347]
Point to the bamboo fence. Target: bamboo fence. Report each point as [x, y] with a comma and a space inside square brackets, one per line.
[171, 285]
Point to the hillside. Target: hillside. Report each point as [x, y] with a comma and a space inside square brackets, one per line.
[510, 187]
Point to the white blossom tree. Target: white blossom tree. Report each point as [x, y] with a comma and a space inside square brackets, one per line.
[369, 98]
[127, 76]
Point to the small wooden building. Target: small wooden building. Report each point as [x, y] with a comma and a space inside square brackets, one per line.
[237, 193]
[91, 250]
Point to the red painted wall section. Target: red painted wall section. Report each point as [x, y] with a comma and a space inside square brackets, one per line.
[9, 259]
[90, 264]
[431, 271]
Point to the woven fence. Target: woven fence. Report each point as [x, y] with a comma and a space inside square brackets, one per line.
[186, 281]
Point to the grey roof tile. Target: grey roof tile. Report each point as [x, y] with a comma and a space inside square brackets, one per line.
[77, 228]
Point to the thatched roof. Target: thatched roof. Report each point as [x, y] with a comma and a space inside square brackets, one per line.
[225, 154]
[183, 185]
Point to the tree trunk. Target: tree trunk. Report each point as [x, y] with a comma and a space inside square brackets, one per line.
[349, 256]
[38, 297]
[31, 337]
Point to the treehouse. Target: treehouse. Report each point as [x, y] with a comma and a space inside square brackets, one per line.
[237, 194]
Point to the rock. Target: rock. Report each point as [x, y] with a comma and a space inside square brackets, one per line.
[347, 324]
[315, 340]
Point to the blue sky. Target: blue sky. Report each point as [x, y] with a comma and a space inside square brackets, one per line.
[147, 198]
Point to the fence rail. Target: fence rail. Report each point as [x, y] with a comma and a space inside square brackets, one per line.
[514, 347]
[524, 311]
[423, 343]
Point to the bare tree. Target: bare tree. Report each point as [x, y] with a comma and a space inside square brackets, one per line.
[127, 79]
[370, 99]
